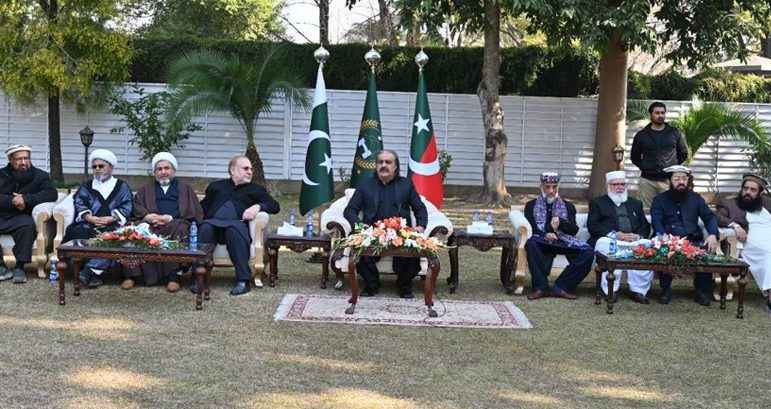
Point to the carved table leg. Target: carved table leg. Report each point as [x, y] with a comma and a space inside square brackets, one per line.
[273, 256]
[598, 285]
[207, 289]
[433, 268]
[507, 266]
[452, 280]
[62, 267]
[200, 272]
[611, 278]
[354, 285]
[742, 285]
[76, 275]
[723, 289]
[324, 267]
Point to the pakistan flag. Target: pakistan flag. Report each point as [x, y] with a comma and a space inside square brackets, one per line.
[370, 140]
[317, 187]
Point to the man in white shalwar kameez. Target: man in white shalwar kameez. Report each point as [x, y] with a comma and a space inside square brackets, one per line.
[749, 214]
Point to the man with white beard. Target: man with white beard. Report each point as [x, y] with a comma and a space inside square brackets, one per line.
[617, 212]
[553, 220]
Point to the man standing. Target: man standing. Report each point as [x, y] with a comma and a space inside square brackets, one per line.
[749, 214]
[553, 220]
[619, 213]
[228, 207]
[677, 212]
[102, 204]
[385, 195]
[22, 187]
[169, 206]
[655, 147]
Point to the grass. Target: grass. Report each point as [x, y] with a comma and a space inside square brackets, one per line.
[110, 348]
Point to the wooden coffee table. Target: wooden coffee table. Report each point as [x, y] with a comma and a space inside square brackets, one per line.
[298, 244]
[723, 268]
[484, 242]
[77, 250]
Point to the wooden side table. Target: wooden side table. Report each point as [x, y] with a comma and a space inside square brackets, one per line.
[298, 244]
[484, 242]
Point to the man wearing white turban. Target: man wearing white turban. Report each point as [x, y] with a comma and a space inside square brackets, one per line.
[103, 203]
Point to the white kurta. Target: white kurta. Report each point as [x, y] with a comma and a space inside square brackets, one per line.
[639, 280]
[757, 249]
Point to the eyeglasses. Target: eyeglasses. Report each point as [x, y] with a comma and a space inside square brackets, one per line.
[617, 184]
[246, 168]
[680, 178]
[98, 166]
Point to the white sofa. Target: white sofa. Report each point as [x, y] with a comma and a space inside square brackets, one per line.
[523, 230]
[334, 223]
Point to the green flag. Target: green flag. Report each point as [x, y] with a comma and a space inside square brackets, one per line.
[317, 187]
[370, 140]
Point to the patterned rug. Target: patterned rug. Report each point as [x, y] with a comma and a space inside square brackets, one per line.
[397, 311]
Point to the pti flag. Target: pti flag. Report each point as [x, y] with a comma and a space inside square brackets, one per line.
[370, 137]
[317, 187]
[424, 162]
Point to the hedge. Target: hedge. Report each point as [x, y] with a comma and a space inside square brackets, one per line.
[531, 70]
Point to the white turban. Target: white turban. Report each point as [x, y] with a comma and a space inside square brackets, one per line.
[17, 148]
[164, 156]
[677, 168]
[616, 174]
[104, 155]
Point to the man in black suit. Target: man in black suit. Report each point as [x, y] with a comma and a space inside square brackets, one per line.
[619, 213]
[386, 195]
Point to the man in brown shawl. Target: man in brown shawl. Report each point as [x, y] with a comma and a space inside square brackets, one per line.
[169, 206]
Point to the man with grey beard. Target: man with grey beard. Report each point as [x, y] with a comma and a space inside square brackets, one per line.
[553, 220]
[618, 212]
[22, 187]
[169, 206]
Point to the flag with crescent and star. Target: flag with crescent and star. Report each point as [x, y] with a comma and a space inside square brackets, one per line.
[370, 140]
[317, 187]
[423, 166]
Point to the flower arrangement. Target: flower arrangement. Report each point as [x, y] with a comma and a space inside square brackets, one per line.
[389, 234]
[669, 249]
[138, 236]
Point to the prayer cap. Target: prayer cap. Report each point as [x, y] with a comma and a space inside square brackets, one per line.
[755, 178]
[677, 168]
[164, 156]
[17, 148]
[616, 174]
[550, 177]
[104, 155]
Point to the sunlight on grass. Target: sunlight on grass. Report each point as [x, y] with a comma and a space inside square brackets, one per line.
[99, 328]
[574, 372]
[324, 363]
[107, 378]
[626, 393]
[334, 398]
[100, 402]
[531, 398]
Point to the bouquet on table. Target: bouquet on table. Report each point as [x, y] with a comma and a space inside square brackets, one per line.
[138, 236]
[669, 249]
[389, 234]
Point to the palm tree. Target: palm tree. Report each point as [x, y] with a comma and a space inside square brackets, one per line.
[206, 81]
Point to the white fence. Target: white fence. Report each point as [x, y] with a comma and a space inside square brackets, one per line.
[544, 134]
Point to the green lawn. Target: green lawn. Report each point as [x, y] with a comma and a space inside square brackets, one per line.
[145, 348]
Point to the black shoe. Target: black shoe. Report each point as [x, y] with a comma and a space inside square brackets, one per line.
[369, 292]
[5, 273]
[18, 276]
[406, 293]
[638, 297]
[94, 282]
[241, 287]
[666, 295]
[194, 286]
[702, 298]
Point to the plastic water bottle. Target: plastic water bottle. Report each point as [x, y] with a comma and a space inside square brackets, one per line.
[309, 225]
[489, 218]
[194, 236]
[613, 243]
[475, 215]
[54, 274]
[291, 217]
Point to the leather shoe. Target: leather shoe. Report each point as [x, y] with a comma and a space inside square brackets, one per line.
[535, 295]
[172, 286]
[406, 293]
[194, 286]
[19, 277]
[369, 292]
[702, 299]
[563, 294]
[127, 284]
[94, 282]
[666, 295]
[241, 287]
[638, 297]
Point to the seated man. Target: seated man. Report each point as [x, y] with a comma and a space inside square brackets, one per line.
[749, 214]
[677, 212]
[168, 205]
[22, 187]
[228, 207]
[618, 212]
[386, 195]
[102, 204]
[553, 220]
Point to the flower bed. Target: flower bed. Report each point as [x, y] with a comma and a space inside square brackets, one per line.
[388, 234]
[138, 236]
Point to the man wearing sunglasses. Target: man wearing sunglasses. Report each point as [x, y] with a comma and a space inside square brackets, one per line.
[22, 187]
[101, 204]
[228, 207]
[619, 213]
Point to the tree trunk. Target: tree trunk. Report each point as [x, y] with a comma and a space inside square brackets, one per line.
[765, 46]
[492, 112]
[387, 23]
[258, 174]
[323, 21]
[611, 115]
[55, 138]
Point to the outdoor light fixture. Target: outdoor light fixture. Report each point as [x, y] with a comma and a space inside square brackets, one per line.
[618, 155]
[86, 138]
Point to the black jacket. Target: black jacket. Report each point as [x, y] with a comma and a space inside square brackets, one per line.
[366, 198]
[568, 225]
[603, 218]
[652, 153]
[39, 190]
[244, 196]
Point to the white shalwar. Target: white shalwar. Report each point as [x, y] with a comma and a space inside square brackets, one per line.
[757, 249]
[639, 280]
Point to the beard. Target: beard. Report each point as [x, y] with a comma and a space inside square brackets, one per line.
[23, 176]
[748, 204]
[679, 190]
[164, 181]
[551, 200]
[103, 178]
[618, 198]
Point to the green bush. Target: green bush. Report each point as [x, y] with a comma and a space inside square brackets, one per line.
[709, 85]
